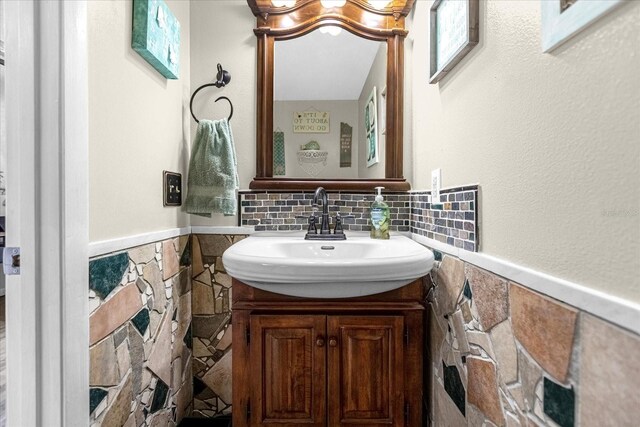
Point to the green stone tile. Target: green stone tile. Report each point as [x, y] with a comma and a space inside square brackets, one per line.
[96, 396]
[559, 403]
[141, 321]
[105, 273]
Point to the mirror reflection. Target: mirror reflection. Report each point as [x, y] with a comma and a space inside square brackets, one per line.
[329, 106]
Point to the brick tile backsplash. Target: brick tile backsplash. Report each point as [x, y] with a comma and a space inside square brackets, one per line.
[451, 220]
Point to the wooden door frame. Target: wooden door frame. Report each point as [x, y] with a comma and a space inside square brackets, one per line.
[47, 213]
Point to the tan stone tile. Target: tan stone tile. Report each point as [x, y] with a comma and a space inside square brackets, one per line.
[218, 378]
[124, 360]
[449, 279]
[200, 349]
[170, 261]
[213, 245]
[182, 282]
[545, 328]
[225, 342]
[481, 339]
[103, 364]
[223, 279]
[119, 411]
[182, 401]
[609, 375]
[466, 312]
[183, 321]
[490, 296]
[197, 266]
[114, 313]
[457, 324]
[160, 356]
[504, 346]
[530, 374]
[202, 299]
[436, 337]
[483, 388]
[205, 277]
[143, 254]
[153, 276]
[475, 418]
[446, 413]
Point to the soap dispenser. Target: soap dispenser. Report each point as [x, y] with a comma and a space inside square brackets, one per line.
[380, 217]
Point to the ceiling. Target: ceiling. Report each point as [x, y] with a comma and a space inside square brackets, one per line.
[320, 66]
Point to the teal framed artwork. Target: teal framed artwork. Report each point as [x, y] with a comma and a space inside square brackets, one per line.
[156, 36]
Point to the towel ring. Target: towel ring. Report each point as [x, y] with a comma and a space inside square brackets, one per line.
[217, 99]
[222, 79]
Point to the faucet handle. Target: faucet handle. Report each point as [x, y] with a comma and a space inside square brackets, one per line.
[337, 229]
[312, 225]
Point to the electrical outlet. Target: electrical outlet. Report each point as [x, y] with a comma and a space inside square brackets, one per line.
[436, 184]
[172, 182]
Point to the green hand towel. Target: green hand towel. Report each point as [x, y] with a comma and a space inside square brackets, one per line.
[213, 171]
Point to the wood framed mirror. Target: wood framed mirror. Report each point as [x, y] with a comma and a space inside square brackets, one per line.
[379, 21]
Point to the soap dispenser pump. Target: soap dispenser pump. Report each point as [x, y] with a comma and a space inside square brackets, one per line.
[380, 217]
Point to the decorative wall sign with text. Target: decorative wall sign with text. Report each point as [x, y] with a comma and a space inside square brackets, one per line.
[454, 32]
[346, 135]
[156, 36]
[311, 122]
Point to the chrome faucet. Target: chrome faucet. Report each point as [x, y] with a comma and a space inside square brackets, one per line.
[325, 231]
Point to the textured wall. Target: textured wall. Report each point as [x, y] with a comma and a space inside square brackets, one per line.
[222, 32]
[138, 126]
[211, 325]
[140, 336]
[501, 355]
[552, 139]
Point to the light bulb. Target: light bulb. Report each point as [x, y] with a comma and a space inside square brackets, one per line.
[331, 30]
[283, 3]
[328, 4]
[379, 4]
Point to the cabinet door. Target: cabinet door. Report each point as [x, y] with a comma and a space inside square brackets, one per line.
[288, 370]
[365, 363]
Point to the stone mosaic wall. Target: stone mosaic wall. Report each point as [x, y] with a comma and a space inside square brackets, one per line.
[211, 325]
[503, 355]
[452, 220]
[291, 211]
[140, 339]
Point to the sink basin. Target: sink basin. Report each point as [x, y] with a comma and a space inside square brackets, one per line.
[289, 265]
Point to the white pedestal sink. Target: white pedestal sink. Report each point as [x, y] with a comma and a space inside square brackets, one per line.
[287, 264]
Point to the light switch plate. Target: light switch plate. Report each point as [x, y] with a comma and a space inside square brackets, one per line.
[436, 183]
[172, 182]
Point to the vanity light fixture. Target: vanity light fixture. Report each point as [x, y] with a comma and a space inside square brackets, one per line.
[283, 3]
[332, 30]
[379, 4]
[328, 4]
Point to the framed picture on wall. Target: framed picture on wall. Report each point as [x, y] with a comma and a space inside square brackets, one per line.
[563, 19]
[454, 32]
[371, 128]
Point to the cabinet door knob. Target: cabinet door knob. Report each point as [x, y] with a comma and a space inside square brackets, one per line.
[320, 342]
[333, 341]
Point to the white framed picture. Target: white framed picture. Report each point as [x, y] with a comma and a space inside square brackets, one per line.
[383, 111]
[563, 19]
[371, 128]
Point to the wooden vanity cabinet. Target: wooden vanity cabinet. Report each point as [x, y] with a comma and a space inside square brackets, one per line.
[344, 362]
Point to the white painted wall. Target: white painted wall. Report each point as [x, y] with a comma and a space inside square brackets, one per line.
[340, 111]
[553, 140]
[222, 31]
[377, 78]
[138, 125]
